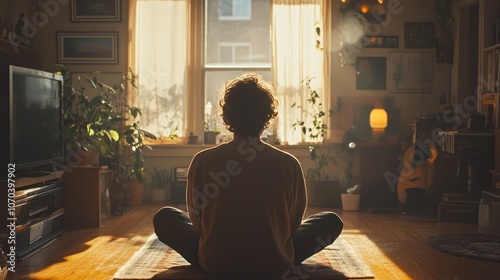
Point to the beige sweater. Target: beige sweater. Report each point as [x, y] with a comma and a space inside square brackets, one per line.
[246, 199]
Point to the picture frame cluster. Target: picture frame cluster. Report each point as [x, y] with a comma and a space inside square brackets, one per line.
[90, 47]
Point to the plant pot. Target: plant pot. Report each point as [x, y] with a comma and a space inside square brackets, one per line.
[323, 193]
[350, 202]
[272, 139]
[116, 203]
[210, 137]
[159, 195]
[146, 194]
[135, 192]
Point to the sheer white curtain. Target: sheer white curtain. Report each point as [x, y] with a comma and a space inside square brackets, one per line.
[296, 57]
[160, 32]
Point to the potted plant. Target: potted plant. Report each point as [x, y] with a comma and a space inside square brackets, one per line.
[107, 125]
[129, 162]
[322, 190]
[272, 138]
[350, 199]
[210, 124]
[89, 122]
[159, 183]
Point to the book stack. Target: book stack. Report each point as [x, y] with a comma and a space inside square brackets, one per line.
[456, 142]
[455, 207]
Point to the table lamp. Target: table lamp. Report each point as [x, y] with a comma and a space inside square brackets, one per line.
[378, 123]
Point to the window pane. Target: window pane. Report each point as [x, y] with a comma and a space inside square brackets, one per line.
[225, 8]
[234, 9]
[253, 32]
[242, 8]
[226, 54]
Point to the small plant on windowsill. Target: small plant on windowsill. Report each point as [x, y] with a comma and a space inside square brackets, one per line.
[272, 133]
[210, 124]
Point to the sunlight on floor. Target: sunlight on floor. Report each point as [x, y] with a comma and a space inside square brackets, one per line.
[366, 248]
[127, 244]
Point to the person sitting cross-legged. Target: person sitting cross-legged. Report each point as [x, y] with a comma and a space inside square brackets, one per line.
[245, 198]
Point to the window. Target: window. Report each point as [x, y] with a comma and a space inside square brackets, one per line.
[231, 53]
[234, 49]
[235, 9]
[185, 50]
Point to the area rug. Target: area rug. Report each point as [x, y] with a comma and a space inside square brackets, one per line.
[468, 245]
[156, 261]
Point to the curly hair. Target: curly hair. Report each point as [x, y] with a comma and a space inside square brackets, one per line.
[248, 105]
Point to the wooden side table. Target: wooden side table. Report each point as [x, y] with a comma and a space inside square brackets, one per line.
[87, 196]
[378, 164]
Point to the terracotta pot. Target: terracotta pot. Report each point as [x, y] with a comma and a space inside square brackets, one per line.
[135, 192]
[159, 195]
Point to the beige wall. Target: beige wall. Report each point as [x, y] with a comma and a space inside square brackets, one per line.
[53, 17]
[343, 79]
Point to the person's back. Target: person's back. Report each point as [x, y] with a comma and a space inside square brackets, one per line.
[245, 198]
[251, 198]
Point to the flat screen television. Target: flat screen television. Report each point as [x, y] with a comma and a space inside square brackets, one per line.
[31, 118]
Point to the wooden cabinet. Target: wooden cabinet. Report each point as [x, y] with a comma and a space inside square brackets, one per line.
[87, 196]
[378, 171]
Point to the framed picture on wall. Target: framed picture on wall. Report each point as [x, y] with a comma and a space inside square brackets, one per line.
[95, 10]
[410, 71]
[87, 47]
[371, 73]
[419, 35]
[380, 42]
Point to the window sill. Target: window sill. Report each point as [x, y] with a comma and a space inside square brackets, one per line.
[189, 150]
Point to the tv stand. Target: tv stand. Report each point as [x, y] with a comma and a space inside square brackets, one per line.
[35, 174]
[37, 210]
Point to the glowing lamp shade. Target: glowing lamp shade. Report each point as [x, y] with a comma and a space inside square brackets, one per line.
[365, 9]
[378, 118]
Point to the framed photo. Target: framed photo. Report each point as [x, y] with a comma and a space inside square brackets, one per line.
[95, 10]
[410, 71]
[380, 42]
[419, 35]
[87, 47]
[371, 73]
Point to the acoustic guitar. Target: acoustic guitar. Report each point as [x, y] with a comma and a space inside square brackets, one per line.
[418, 169]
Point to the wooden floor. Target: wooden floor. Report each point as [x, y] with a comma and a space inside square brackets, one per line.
[394, 247]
